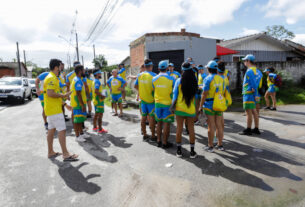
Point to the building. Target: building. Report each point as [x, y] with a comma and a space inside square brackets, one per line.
[173, 46]
[12, 69]
[264, 47]
[126, 61]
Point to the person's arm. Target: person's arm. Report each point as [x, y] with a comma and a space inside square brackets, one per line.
[203, 97]
[37, 81]
[252, 80]
[79, 97]
[136, 84]
[51, 93]
[175, 96]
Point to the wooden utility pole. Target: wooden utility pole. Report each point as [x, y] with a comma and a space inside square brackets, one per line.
[94, 51]
[77, 53]
[18, 59]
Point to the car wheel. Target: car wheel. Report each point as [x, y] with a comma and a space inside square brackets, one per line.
[30, 97]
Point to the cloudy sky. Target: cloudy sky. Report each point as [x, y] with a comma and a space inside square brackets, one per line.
[36, 24]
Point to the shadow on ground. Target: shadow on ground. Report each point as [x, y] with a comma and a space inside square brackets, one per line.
[74, 178]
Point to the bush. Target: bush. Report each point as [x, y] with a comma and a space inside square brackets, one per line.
[129, 91]
[302, 82]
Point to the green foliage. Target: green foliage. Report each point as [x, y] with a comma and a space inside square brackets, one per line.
[302, 82]
[279, 32]
[129, 91]
[291, 95]
[37, 71]
[100, 62]
[110, 68]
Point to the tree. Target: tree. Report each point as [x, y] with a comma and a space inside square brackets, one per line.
[279, 32]
[100, 62]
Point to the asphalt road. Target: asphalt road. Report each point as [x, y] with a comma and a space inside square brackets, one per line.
[119, 169]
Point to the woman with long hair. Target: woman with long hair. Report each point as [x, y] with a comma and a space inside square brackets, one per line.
[184, 106]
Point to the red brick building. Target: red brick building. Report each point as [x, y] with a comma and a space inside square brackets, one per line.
[12, 69]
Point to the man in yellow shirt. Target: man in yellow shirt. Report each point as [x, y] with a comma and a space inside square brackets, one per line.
[78, 102]
[122, 74]
[163, 85]
[53, 110]
[89, 97]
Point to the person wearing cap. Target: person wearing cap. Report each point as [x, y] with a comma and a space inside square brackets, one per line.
[183, 105]
[227, 72]
[172, 72]
[78, 102]
[98, 96]
[122, 74]
[116, 85]
[211, 84]
[250, 96]
[202, 75]
[163, 89]
[146, 93]
[272, 88]
[221, 72]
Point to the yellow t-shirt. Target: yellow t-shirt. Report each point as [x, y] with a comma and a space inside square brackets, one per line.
[163, 85]
[181, 108]
[89, 82]
[96, 84]
[122, 73]
[52, 106]
[146, 90]
[77, 85]
[115, 84]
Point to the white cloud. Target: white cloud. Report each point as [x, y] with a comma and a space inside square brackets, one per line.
[291, 10]
[299, 38]
[39, 23]
[247, 32]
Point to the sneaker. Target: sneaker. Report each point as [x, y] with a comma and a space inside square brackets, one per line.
[209, 149]
[267, 108]
[89, 115]
[273, 109]
[95, 129]
[220, 148]
[67, 119]
[85, 136]
[167, 145]
[102, 131]
[46, 126]
[245, 132]
[179, 153]
[159, 144]
[152, 140]
[193, 154]
[146, 138]
[255, 131]
[80, 139]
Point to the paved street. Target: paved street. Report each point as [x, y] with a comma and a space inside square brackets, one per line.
[118, 169]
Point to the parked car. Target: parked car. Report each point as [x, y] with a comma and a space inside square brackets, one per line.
[15, 89]
[33, 86]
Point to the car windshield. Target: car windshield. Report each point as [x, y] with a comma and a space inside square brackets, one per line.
[32, 81]
[10, 82]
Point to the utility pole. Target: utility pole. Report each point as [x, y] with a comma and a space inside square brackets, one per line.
[94, 51]
[18, 59]
[83, 60]
[24, 57]
[77, 54]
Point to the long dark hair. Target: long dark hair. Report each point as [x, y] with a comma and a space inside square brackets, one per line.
[189, 85]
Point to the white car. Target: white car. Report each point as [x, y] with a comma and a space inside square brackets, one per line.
[15, 89]
[33, 86]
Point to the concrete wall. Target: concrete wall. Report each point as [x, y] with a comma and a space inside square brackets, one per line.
[200, 49]
[263, 56]
[294, 70]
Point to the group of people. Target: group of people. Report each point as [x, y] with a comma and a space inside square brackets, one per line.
[164, 98]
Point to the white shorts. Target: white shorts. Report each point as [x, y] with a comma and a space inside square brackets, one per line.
[57, 122]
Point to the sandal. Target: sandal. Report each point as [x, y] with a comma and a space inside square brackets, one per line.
[55, 155]
[115, 115]
[71, 158]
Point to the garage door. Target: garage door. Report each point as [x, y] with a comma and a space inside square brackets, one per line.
[174, 56]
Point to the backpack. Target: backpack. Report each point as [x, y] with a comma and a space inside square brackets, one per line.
[278, 81]
[219, 103]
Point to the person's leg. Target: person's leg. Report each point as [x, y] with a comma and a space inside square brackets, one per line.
[211, 129]
[121, 108]
[124, 94]
[89, 103]
[258, 106]
[255, 117]
[219, 127]
[115, 108]
[63, 145]
[95, 119]
[179, 121]
[100, 123]
[249, 118]
[166, 129]
[152, 126]
[159, 130]
[267, 99]
[143, 126]
[190, 125]
[50, 138]
[273, 97]
[76, 129]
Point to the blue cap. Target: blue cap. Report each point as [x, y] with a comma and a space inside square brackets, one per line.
[266, 70]
[212, 65]
[97, 72]
[149, 63]
[163, 64]
[200, 68]
[171, 64]
[249, 57]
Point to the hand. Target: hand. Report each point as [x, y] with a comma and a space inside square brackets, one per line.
[69, 107]
[38, 92]
[83, 108]
[172, 109]
[67, 95]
